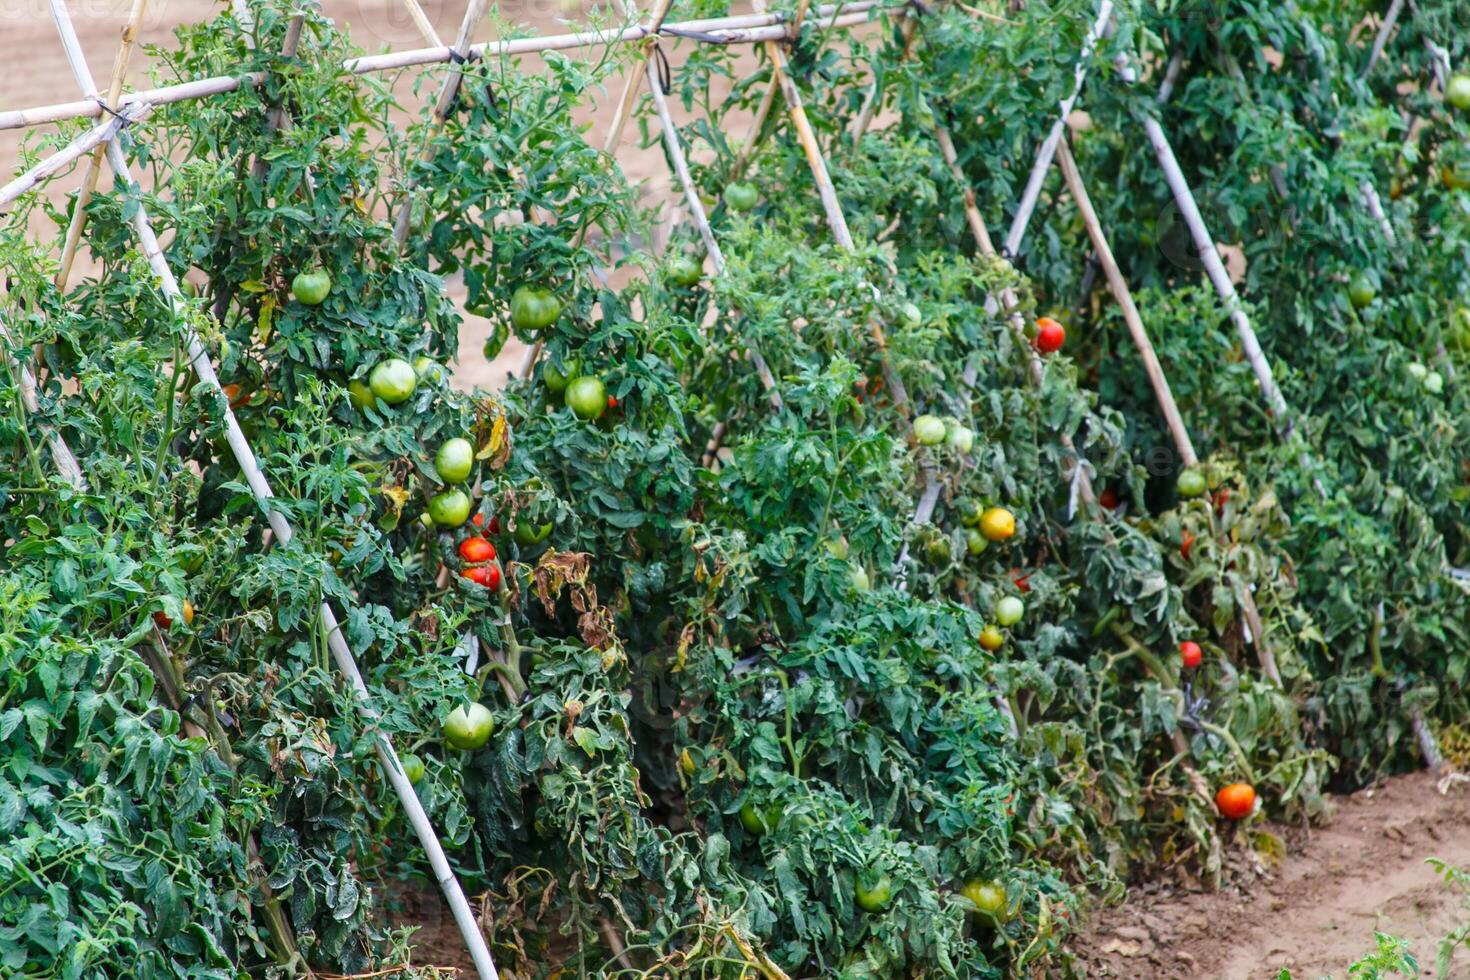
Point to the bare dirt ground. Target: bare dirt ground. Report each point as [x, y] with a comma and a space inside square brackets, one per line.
[1314, 913]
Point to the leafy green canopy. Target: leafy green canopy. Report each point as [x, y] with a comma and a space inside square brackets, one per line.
[735, 730]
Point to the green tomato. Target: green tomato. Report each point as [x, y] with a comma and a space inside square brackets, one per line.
[450, 508]
[929, 430]
[413, 767]
[1191, 483]
[968, 511]
[860, 580]
[311, 287]
[361, 395]
[742, 196]
[1361, 291]
[975, 542]
[757, 822]
[960, 438]
[425, 368]
[873, 891]
[1009, 610]
[937, 551]
[533, 308]
[454, 460]
[468, 727]
[1460, 328]
[528, 534]
[587, 397]
[989, 899]
[1455, 174]
[837, 547]
[911, 316]
[1458, 92]
[1418, 371]
[1434, 382]
[556, 378]
[393, 380]
[683, 270]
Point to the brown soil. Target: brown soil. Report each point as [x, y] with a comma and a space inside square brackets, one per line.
[1316, 911]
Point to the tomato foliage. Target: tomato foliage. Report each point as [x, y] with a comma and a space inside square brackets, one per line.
[744, 718]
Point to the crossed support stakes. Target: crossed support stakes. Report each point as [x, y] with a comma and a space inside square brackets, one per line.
[260, 488]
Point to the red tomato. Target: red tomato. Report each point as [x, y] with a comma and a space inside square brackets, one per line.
[162, 620]
[486, 575]
[1221, 497]
[612, 402]
[1023, 582]
[1050, 335]
[1236, 801]
[1109, 499]
[1186, 545]
[476, 550]
[479, 521]
[1190, 654]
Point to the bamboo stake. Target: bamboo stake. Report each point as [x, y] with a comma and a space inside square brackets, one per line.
[447, 92]
[1007, 301]
[72, 151]
[94, 164]
[836, 220]
[745, 29]
[61, 454]
[261, 490]
[1032, 193]
[1214, 268]
[1389, 19]
[421, 21]
[1155, 371]
[1119, 286]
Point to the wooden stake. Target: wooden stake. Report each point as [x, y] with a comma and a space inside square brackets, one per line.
[94, 164]
[447, 92]
[1155, 371]
[1389, 19]
[1042, 164]
[261, 490]
[1119, 286]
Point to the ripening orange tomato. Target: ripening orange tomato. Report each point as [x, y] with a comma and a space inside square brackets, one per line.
[1236, 801]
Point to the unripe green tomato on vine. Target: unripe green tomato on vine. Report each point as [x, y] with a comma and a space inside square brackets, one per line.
[450, 508]
[311, 287]
[929, 430]
[1457, 93]
[1009, 610]
[1191, 483]
[393, 381]
[454, 460]
[586, 397]
[533, 308]
[742, 196]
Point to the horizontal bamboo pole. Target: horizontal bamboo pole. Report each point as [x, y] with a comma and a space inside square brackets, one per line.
[744, 29]
[72, 152]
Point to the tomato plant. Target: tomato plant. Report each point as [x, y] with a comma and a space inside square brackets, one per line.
[765, 695]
